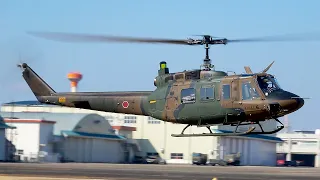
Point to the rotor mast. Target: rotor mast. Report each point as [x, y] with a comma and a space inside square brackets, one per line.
[207, 61]
[207, 41]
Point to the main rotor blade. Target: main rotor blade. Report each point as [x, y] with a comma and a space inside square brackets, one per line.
[72, 37]
[312, 36]
[102, 38]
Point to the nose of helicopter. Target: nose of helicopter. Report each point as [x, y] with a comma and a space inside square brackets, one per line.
[300, 102]
[289, 102]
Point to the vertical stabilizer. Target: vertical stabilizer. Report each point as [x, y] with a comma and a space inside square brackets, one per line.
[37, 85]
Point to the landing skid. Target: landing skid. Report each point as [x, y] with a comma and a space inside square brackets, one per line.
[214, 134]
[235, 133]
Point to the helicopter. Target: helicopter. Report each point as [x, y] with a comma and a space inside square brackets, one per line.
[201, 97]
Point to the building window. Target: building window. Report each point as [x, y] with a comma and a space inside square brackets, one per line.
[207, 93]
[226, 91]
[188, 95]
[152, 154]
[109, 118]
[96, 121]
[176, 155]
[130, 119]
[20, 151]
[152, 120]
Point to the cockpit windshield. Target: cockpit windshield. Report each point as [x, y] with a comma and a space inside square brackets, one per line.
[268, 84]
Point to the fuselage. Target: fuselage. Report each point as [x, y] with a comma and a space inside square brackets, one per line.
[191, 97]
[222, 100]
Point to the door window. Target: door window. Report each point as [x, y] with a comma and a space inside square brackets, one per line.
[188, 95]
[226, 91]
[249, 92]
[207, 93]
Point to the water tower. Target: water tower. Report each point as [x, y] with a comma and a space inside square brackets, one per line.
[74, 78]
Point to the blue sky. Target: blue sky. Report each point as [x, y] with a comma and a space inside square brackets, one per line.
[112, 67]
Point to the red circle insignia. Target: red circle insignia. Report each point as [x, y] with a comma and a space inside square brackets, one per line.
[125, 104]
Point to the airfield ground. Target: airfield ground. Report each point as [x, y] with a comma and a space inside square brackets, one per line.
[21, 171]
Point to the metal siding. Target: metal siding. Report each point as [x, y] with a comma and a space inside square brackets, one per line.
[106, 151]
[253, 151]
[71, 149]
[92, 150]
[239, 149]
[248, 152]
[80, 154]
[244, 158]
[88, 150]
[2, 144]
[261, 153]
[46, 131]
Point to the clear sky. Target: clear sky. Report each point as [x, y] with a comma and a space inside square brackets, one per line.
[111, 67]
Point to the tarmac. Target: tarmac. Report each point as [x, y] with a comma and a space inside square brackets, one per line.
[55, 171]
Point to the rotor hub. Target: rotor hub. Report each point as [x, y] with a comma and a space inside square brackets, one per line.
[207, 41]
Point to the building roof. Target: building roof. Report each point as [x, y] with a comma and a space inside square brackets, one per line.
[26, 103]
[83, 134]
[64, 121]
[256, 136]
[28, 121]
[3, 125]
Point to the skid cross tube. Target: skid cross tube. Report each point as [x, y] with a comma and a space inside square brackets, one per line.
[235, 133]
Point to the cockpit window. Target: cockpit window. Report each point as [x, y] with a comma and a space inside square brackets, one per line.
[249, 92]
[268, 84]
[275, 81]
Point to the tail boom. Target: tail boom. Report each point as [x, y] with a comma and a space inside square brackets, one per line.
[132, 102]
[129, 102]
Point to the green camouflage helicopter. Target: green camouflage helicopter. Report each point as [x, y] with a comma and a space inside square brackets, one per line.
[203, 97]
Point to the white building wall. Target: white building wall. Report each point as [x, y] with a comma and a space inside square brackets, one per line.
[300, 143]
[33, 139]
[25, 137]
[2, 145]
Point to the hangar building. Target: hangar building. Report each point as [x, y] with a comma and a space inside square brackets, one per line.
[67, 137]
[300, 146]
[154, 136]
[3, 141]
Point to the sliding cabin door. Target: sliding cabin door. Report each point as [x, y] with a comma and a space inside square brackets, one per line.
[229, 93]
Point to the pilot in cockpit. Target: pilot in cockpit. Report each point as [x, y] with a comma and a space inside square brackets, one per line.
[264, 84]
